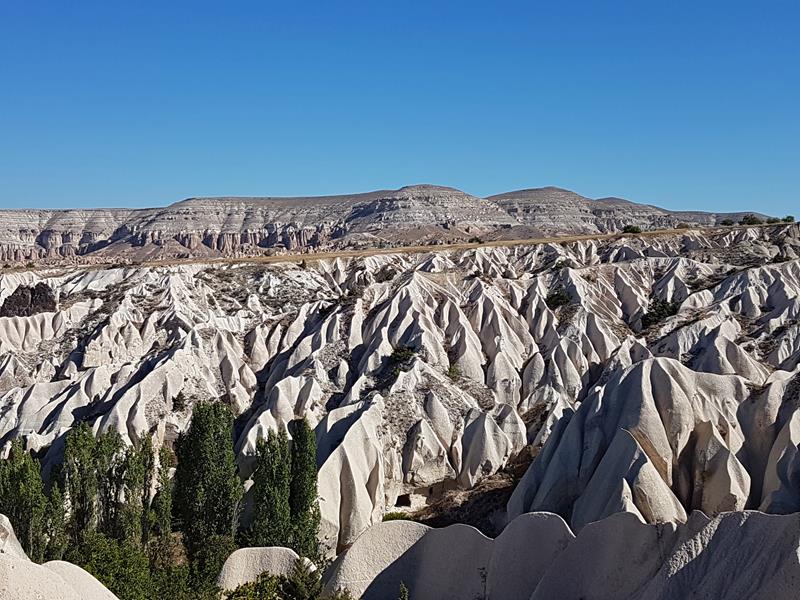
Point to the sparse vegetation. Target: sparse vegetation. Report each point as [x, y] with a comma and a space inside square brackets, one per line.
[403, 592]
[386, 273]
[788, 219]
[396, 516]
[727, 222]
[303, 583]
[400, 360]
[402, 354]
[179, 402]
[453, 372]
[658, 311]
[631, 229]
[750, 219]
[557, 298]
[773, 220]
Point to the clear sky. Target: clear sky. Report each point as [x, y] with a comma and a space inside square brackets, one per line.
[689, 105]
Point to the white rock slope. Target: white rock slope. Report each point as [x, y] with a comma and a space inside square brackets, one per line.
[653, 375]
[737, 556]
[21, 579]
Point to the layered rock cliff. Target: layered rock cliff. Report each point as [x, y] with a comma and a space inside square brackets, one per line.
[232, 227]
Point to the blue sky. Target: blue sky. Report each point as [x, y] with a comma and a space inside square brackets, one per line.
[689, 105]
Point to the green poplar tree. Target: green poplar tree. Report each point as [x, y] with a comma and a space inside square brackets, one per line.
[271, 484]
[207, 487]
[56, 525]
[23, 501]
[109, 458]
[303, 504]
[162, 503]
[80, 475]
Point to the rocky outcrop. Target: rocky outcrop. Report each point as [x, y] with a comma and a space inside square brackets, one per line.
[737, 556]
[9, 544]
[21, 579]
[86, 586]
[246, 564]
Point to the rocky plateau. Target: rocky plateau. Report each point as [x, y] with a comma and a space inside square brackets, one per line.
[234, 227]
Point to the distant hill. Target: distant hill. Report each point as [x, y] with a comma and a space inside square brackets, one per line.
[232, 226]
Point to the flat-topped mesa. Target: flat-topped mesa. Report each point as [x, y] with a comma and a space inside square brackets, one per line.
[250, 226]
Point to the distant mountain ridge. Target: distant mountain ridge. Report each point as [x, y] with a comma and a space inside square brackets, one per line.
[242, 226]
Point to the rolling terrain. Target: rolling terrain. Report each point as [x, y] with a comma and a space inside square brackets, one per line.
[641, 384]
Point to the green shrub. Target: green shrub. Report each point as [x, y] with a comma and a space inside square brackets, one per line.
[727, 222]
[169, 572]
[659, 310]
[750, 220]
[557, 298]
[453, 372]
[402, 354]
[400, 360]
[403, 592]
[396, 516]
[122, 567]
[207, 561]
[303, 583]
[788, 219]
[773, 220]
[631, 229]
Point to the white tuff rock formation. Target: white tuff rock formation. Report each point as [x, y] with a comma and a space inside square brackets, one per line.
[737, 556]
[246, 564]
[653, 375]
[21, 579]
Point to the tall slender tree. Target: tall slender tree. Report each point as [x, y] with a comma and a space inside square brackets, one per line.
[56, 524]
[208, 488]
[23, 501]
[109, 464]
[79, 471]
[162, 502]
[303, 503]
[271, 484]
